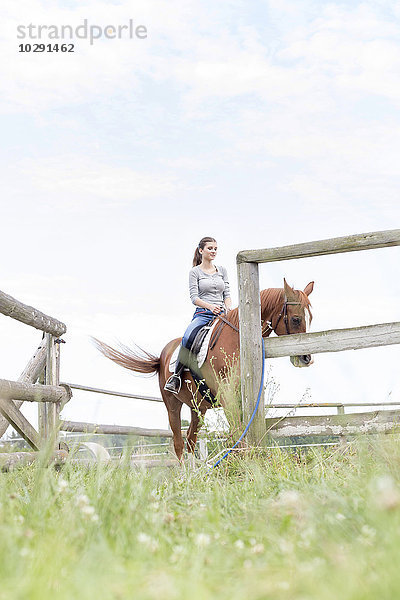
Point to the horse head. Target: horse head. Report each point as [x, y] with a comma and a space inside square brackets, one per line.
[294, 317]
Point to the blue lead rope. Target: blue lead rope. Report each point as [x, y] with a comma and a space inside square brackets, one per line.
[254, 411]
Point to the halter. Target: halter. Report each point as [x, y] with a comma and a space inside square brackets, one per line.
[283, 314]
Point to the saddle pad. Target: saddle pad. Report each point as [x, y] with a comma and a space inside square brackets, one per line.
[201, 357]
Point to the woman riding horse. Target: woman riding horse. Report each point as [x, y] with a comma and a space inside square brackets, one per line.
[209, 291]
[283, 311]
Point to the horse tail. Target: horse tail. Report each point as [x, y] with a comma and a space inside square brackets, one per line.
[140, 362]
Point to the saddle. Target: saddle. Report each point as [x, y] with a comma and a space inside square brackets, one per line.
[197, 354]
[199, 347]
[204, 340]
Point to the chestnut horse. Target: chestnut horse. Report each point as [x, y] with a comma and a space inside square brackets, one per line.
[283, 310]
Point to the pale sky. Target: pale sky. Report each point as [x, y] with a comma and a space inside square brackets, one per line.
[261, 123]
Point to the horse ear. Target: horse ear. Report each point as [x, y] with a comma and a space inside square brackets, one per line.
[289, 292]
[309, 288]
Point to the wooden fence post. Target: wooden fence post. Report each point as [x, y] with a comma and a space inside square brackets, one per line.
[251, 349]
[57, 347]
[49, 411]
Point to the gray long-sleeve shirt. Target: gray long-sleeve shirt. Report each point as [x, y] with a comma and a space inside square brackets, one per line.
[212, 288]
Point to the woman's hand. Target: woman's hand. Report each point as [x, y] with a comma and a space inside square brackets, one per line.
[215, 308]
[228, 304]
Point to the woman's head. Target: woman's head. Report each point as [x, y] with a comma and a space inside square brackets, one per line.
[207, 244]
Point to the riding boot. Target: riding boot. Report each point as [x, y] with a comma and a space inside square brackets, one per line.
[173, 383]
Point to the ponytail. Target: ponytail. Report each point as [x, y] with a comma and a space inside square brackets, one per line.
[197, 256]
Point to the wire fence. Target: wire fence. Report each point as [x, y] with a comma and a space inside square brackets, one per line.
[142, 448]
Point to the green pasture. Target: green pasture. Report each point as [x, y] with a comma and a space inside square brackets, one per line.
[325, 525]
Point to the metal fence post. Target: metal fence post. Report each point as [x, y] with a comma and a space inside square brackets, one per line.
[203, 448]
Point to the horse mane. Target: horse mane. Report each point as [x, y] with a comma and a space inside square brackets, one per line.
[272, 300]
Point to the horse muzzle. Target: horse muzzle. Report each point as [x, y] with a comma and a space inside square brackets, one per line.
[305, 360]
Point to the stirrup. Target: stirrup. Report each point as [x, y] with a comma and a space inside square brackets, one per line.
[173, 384]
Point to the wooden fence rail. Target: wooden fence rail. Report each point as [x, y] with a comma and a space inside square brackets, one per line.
[86, 388]
[33, 392]
[79, 427]
[348, 243]
[333, 340]
[386, 421]
[15, 309]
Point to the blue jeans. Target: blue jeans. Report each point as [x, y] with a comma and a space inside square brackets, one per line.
[201, 317]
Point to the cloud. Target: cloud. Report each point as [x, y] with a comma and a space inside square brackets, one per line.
[83, 185]
[82, 177]
[355, 49]
[37, 82]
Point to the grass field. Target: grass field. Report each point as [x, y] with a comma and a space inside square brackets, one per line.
[324, 527]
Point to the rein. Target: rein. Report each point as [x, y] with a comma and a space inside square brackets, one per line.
[228, 322]
[269, 327]
[218, 330]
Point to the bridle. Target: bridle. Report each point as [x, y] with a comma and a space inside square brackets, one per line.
[269, 327]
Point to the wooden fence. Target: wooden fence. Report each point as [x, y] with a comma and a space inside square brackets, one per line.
[40, 380]
[307, 343]
[44, 368]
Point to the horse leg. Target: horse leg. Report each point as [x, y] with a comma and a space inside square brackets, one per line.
[174, 407]
[194, 426]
